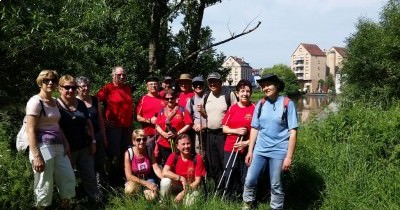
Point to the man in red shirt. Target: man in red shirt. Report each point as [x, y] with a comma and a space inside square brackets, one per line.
[116, 98]
[147, 109]
[185, 85]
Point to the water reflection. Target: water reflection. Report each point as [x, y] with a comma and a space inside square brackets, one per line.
[309, 105]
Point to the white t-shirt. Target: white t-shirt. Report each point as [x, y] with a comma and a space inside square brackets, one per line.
[46, 122]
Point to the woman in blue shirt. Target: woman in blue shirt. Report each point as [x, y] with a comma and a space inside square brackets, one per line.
[273, 138]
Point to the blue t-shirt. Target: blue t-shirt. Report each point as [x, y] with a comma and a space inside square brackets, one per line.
[273, 133]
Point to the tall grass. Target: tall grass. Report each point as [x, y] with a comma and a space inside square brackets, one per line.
[349, 160]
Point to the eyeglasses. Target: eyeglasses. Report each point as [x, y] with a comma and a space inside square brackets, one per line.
[84, 86]
[141, 139]
[69, 87]
[47, 81]
[120, 75]
[152, 84]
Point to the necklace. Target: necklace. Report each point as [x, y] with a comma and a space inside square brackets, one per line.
[68, 109]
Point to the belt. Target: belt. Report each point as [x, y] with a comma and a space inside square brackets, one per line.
[218, 130]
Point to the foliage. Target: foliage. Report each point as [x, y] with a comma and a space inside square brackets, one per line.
[88, 37]
[15, 170]
[286, 74]
[330, 83]
[352, 152]
[372, 68]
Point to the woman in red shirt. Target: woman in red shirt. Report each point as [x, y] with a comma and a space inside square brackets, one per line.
[172, 120]
[236, 124]
[182, 172]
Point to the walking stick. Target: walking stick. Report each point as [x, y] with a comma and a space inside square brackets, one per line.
[226, 167]
[201, 137]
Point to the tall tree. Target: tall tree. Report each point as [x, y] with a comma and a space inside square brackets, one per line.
[372, 68]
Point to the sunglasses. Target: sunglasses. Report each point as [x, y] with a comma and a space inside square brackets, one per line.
[69, 87]
[141, 139]
[47, 81]
[120, 75]
[169, 99]
[198, 84]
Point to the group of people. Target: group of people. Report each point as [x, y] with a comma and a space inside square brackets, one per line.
[185, 136]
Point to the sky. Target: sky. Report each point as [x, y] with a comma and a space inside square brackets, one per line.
[284, 25]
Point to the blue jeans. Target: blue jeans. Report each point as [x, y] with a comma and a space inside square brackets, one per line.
[275, 173]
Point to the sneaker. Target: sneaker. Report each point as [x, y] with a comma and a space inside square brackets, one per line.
[247, 206]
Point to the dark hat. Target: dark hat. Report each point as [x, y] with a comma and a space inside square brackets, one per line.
[152, 79]
[272, 78]
[214, 75]
[167, 78]
[184, 77]
[198, 79]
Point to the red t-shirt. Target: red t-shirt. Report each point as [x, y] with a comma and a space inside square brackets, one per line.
[147, 107]
[237, 117]
[184, 97]
[178, 122]
[187, 168]
[118, 104]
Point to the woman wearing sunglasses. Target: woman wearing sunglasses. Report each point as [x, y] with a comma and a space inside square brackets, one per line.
[141, 169]
[47, 146]
[172, 120]
[78, 130]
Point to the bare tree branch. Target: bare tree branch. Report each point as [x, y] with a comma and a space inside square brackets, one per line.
[211, 46]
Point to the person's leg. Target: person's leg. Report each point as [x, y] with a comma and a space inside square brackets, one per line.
[253, 172]
[64, 175]
[99, 160]
[275, 173]
[219, 146]
[131, 187]
[113, 165]
[85, 166]
[43, 185]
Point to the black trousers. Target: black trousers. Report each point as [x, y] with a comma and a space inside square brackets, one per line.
[215, 154]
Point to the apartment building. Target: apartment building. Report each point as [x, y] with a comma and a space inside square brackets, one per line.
[239, 69]
[309, 62]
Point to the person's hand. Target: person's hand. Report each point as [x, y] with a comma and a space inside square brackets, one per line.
[241, 131]
[38, 163]
[168, 134]
[151, 186]
[287, 164]
[153, 120]
[248, 158]
[180, 196]
[196, 127]
[241, 145]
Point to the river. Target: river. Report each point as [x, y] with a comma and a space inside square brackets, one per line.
[311, 105]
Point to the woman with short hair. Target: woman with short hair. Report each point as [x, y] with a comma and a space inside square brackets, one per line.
[141, 168]
[78, 130]
[48, 148]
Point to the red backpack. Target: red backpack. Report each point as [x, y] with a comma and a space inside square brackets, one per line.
[285, 108]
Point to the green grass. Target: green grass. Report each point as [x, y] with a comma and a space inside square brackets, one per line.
[350, 160]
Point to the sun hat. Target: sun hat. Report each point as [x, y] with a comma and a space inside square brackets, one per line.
[272, 78]
[184, 77]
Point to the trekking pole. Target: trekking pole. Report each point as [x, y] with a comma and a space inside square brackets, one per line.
[230, 172]
[226, 167]
[201, 137]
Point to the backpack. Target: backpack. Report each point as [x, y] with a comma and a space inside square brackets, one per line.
[285, 108]
[22, 141]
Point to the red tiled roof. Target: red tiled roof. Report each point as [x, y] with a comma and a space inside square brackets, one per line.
[341, 50]
[313, 49]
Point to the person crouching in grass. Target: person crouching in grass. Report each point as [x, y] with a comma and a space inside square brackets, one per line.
[183, 172]
[141, 169]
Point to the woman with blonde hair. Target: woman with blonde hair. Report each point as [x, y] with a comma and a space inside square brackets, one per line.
[78, 130]
[141, 169]
[48, 148]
